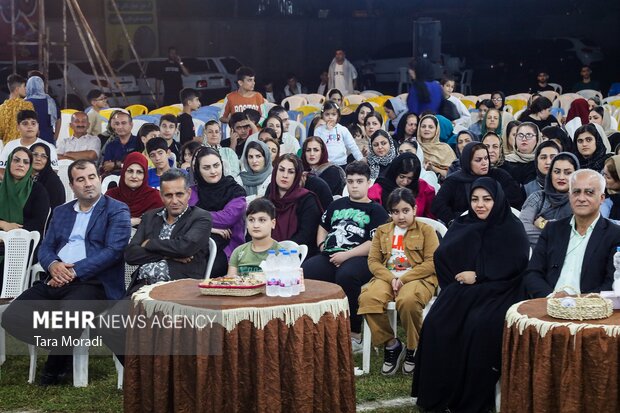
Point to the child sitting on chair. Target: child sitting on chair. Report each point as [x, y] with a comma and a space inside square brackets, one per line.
[260, 220]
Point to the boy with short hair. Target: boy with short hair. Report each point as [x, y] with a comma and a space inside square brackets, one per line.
[245, 97]
[344, 238]
[260, 220]
[158, 151]
[28, 128]
[98, 101]
[190, 98]
[168, 126]
[12, 106]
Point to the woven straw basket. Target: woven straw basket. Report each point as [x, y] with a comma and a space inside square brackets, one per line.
[588, 307]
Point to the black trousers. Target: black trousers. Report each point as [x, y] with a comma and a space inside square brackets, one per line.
[18, 317]
[350, 276]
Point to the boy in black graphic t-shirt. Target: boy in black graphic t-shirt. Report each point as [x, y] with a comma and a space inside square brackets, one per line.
[344, 238]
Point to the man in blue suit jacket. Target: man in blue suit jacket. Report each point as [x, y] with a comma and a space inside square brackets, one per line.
[83, 254]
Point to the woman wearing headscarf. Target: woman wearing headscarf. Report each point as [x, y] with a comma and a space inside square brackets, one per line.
[611, 172]
[521, 160]
[438, 155]
[590, 148]
[452, 199]
[382, 153]
[406, 129]
[577, 115]
[404, 172]
[424, 94]
[133, 188]
[298, 210]
[412, 146]
[495, 146]
[43, 173]
[544, 155]
[256, 174]
[462, 139]
[510, 135]
[395, 108]
[46, 108]
[601, 116]
[224, 198]
[23, 202]
[559, 136]
[458, 360]
[314, 158]
[550, 203]
[492, 122]
[446, 129]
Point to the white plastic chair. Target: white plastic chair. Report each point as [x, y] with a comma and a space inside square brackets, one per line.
[211, 260]
[437, 226]
[292, 245]
[588, 93]
[296, 128]
[294, 102]
[65, 120]
[63, 169]
[370, 94]
[353, 99]
[107, 181]
[558, 88]
[19, 246]
[137, 124]
[315, 99]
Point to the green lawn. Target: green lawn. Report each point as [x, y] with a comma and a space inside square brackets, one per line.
[102, 396]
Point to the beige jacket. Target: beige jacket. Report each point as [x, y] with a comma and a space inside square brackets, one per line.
[420, 244]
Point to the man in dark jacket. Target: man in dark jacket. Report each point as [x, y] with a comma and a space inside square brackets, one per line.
[576, 251]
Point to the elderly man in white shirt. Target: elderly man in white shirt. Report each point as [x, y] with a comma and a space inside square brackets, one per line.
[80, 145]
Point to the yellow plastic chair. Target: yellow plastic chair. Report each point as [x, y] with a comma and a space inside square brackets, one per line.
[106, 113]
[379, 100]
[308, 109]
[137, 110]
[468, 103]
[69, 111]
[516, 104]
[353, 100]
[166, 110]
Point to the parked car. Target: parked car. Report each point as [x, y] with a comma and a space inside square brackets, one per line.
[226, 66]
[207, 80]
[81, 80]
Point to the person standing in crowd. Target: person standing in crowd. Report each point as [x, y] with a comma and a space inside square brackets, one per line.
[190, 98]
[172, 72]
[459, 356]
[47, 111]
[401, 260]
[576, 251]
[322, 88]
[342, 74]
[12, 106]
[425, 94]
[344, 238]
[243, 98]
[82, 252]
[98, 101]
[81, 145]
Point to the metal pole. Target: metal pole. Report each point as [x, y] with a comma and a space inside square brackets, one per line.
[84, 43]
[14, 46]
[64, 49]
[133, 49]
[41, 29]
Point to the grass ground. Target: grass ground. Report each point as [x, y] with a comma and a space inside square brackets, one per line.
[101, 395]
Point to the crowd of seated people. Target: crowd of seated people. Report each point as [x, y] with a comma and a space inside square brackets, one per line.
[350, 192]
